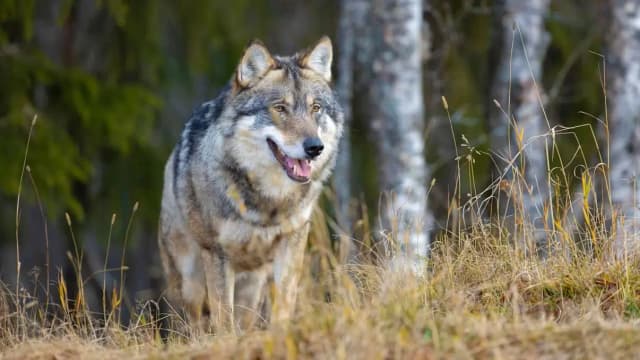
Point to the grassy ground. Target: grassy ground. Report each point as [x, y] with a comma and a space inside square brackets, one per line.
[480, 298]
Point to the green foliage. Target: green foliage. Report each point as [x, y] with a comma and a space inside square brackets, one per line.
[17, 15]
[80, 117]
[98, 91]
[58, 157]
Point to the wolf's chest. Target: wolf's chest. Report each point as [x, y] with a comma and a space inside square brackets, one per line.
[248, 252]
[249, 246]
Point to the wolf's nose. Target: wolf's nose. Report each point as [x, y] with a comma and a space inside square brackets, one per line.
[313, 147]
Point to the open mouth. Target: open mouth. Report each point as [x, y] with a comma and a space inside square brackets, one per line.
[297, 169]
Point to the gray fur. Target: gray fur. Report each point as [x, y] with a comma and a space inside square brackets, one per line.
[228, 208]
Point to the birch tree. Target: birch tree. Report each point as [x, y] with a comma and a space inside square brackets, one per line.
[518, 121]
[623, 96]
[396, 120]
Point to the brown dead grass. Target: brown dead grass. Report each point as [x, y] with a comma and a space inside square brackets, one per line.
[476, 301]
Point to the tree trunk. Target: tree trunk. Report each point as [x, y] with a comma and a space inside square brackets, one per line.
[623, 92]
[396, 116]
[344, 88]
[440, 147]
[524, 42]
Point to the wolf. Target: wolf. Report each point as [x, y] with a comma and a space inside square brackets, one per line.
[241, 184]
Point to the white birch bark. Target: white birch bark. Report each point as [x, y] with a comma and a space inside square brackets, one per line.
[517, 87]
[623, 94]
[396, 116]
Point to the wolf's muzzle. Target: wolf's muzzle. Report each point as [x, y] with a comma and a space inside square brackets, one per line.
[313, 147]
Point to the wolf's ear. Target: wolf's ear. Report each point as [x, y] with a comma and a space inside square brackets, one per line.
[255, 63]
[319, 58]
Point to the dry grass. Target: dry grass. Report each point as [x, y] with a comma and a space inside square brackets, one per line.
[480, 298]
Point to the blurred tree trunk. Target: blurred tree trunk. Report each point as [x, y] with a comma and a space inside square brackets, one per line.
[519, 122]
[623, 94]
[440, 148]
[344, 88]
[392, 57]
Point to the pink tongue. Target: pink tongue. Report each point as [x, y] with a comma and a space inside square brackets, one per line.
[298, 167]
[305, 168]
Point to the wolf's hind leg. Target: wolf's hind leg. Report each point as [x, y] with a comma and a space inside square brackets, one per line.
[183, 271]
[192, 290]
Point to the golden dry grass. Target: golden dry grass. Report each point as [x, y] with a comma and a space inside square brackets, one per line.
[480, 298]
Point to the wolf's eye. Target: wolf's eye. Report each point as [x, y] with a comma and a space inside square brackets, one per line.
[279, 108]
[315, 108]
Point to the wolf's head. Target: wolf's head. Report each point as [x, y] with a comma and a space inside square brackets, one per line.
[288, 121]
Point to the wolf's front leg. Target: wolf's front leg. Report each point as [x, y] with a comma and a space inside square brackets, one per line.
[287, 269]
[220, 279]
[249, 297]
